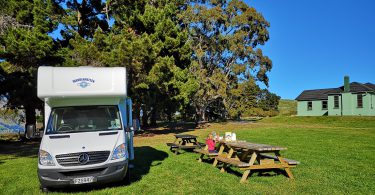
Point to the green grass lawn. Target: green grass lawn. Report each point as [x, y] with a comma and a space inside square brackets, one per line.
[336, 155]
[287, 107]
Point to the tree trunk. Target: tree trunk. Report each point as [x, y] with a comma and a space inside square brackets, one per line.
[153, 116]
[145, 119]
[201, 113]
[81, 17]
[169, 117]
[30, 115]
[136, 111]
[204, 115]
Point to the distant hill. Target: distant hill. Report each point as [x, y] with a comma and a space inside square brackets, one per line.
[287, 107]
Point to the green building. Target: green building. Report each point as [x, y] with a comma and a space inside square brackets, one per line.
[352, 99]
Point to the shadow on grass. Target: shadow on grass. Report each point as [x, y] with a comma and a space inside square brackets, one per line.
[258, 173]
[244, 120]
[167, 128]
[183, 127]
[145, 158]
[19, 149]
[253, 173]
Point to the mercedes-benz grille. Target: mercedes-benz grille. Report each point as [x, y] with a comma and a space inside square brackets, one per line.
[73, 159]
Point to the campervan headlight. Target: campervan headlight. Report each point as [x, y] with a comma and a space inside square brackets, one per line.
[45, 158]
[119, 152]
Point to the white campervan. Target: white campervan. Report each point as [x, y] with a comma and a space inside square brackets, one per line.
[87, 137]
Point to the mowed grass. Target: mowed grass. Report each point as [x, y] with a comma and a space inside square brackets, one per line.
[336, 155]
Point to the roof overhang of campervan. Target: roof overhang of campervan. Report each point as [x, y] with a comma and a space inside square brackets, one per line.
[70, 86]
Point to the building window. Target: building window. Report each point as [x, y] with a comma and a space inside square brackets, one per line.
[359, 101]
[336, 102]
[309, 105]
[324, 105]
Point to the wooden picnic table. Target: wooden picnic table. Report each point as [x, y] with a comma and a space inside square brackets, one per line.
[184, 141]
[252, 156]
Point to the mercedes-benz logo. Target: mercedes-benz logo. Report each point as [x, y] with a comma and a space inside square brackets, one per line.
[83, 158]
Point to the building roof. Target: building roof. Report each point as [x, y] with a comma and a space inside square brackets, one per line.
[359, 87]
[322, 94]
[370, 85]
[316, 94]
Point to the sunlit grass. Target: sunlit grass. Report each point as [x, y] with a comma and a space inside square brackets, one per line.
[336, 155]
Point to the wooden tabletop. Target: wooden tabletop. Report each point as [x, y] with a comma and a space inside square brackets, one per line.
[253, 146]
[185, 136]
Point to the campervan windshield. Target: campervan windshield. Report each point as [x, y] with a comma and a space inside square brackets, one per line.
[83, 119]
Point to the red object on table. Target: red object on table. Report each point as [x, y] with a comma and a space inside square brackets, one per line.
[211, 144]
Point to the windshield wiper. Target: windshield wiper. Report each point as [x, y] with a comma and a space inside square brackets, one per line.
[80, 131]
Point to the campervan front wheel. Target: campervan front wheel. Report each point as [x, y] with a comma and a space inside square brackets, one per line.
[127, 180]
[44, 189]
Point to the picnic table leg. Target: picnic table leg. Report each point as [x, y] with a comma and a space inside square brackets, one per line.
[247, 172]
[202, 155]
[222, 170]
[197, 143]
[244, 155]
[200, 158]
[221, 150]
[230, 153]
[287, 168]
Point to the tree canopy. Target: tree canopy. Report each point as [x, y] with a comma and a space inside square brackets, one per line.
[224, 36]
[197, 58]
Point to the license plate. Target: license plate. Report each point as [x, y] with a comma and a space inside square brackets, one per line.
[82, 180]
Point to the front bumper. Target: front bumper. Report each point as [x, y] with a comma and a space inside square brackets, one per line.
[58, 178]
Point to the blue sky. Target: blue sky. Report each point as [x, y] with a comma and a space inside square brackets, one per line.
[314, 44]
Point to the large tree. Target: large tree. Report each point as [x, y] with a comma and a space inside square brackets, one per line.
[144, 37]
[25, 45]
[178, 54]
[224, 36]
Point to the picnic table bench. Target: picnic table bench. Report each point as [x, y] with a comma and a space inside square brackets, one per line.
[184, 141]
[205, 152]
[252, 156]
[289, 161]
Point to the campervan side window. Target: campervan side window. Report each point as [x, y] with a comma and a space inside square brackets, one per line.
[84, 119]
